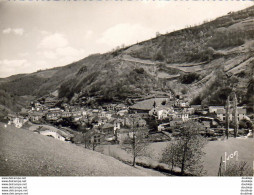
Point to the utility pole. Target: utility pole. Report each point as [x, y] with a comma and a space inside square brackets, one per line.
[227, 117]
[133, 140]
[219, 172]
[235, 114]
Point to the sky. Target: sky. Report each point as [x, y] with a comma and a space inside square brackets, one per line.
[43, 34]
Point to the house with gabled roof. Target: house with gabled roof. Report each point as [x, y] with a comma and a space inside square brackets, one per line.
[16, 120]
[66, 114]
[35, 116]
[54, 114]
[181, 114]
[122, 112]
[161, 112]
[146, 105]
[107, 128]
[53, 134]
[119, 107]
[214, 109]
[51, 131]
[181, 103]
[241, 114]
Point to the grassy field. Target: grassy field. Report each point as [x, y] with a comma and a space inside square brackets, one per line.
[24, 153]
[214, 150]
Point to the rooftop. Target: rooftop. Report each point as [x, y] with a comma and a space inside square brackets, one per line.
[239, 110]
[107, 125]
[148, 104]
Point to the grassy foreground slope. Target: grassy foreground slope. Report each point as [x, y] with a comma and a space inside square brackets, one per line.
[24, 153]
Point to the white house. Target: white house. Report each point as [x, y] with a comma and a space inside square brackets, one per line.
[16, 121]
[214, 109]
[189, 110]
[181, 115]
[108, 116]
[181, 103]
[53, 134]
[122, 112]
[161, 112]
[161, 127]
[66, 114]
[83, 112]
[102, 113]
[117, 125]
[241, 114]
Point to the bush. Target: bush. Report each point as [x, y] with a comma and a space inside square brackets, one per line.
[238, 169]
[139, 70]
[189, 78]
[224, 39]
[196, 101]
[159, 56]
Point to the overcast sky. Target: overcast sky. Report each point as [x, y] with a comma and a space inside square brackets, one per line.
[45, 34]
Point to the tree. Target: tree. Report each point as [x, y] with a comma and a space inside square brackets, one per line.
[186, 152]
[238, 169]
[135, 143]
[90, 140]
[245, 124]
[170, 156]
[158, 34]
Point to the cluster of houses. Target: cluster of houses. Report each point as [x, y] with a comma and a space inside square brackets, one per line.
[112, 122]
[172, 113]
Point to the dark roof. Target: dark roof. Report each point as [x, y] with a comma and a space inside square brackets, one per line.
[221, 111]
[36, 113]
[239, 110]
[121, 105]
[107, 125]
[147, 104]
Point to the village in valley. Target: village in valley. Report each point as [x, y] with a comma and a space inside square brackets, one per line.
[159, 117]
[151, 93]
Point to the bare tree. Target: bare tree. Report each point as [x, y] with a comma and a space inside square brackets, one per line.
[238, 169]
[186, 153]
[90, 140]
[136, 144]
[170, 155]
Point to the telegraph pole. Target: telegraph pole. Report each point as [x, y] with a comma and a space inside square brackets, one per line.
[227, 117]
[235, 114]
[219, 172]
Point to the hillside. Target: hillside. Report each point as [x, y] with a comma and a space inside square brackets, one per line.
[24, 153]
[204, 62]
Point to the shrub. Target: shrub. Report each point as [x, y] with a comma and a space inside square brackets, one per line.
[189, 78]
[139, 70]
[159, 56]
[238, 169]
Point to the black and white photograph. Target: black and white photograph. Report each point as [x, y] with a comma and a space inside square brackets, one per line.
[126, 88]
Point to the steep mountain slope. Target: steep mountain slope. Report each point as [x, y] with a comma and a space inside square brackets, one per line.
[204, 62]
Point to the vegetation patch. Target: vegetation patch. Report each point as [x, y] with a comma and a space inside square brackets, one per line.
[189, 78]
